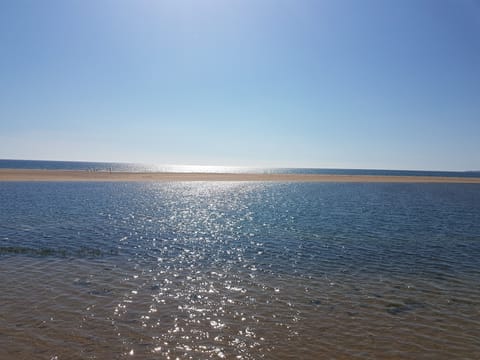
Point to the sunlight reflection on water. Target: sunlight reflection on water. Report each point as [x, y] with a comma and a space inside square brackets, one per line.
[239, 270]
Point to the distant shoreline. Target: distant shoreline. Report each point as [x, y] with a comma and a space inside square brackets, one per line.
[115, 176]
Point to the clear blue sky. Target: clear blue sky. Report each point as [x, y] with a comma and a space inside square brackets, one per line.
[347, 84]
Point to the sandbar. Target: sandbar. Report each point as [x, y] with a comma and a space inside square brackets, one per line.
[106, 176]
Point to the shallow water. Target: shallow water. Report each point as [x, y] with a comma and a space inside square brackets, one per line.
[239, 270]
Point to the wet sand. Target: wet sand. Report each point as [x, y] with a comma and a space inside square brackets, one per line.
[78, 175]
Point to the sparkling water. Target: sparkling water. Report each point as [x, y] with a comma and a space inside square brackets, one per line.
[242, 270]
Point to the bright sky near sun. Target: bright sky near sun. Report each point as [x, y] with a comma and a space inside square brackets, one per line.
[297, 83]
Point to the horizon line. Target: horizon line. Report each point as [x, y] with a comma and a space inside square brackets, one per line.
[238, 166]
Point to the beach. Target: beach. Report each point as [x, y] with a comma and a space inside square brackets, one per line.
[82, 175]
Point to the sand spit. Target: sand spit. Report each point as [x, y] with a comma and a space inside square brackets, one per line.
[79, 175]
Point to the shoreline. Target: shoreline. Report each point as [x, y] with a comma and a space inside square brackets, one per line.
[38, 175]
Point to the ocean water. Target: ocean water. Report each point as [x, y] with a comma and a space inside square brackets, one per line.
[138, 167]
[209, 270]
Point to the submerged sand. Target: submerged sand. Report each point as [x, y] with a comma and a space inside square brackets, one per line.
[80, 175]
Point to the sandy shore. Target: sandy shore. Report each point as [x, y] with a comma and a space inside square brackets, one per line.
[75, 175]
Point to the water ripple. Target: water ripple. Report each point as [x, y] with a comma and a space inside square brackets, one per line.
[239, 270]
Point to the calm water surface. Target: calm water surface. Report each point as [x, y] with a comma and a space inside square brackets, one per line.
[138, 167]
[239, 271]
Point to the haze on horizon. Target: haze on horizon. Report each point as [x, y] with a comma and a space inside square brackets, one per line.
[339, 84]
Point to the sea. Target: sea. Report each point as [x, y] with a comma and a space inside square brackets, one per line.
[141, 167]
[238, 270]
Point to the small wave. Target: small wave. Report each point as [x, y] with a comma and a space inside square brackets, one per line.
[83, 252]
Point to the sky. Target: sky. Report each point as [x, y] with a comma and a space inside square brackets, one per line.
[276, 83]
